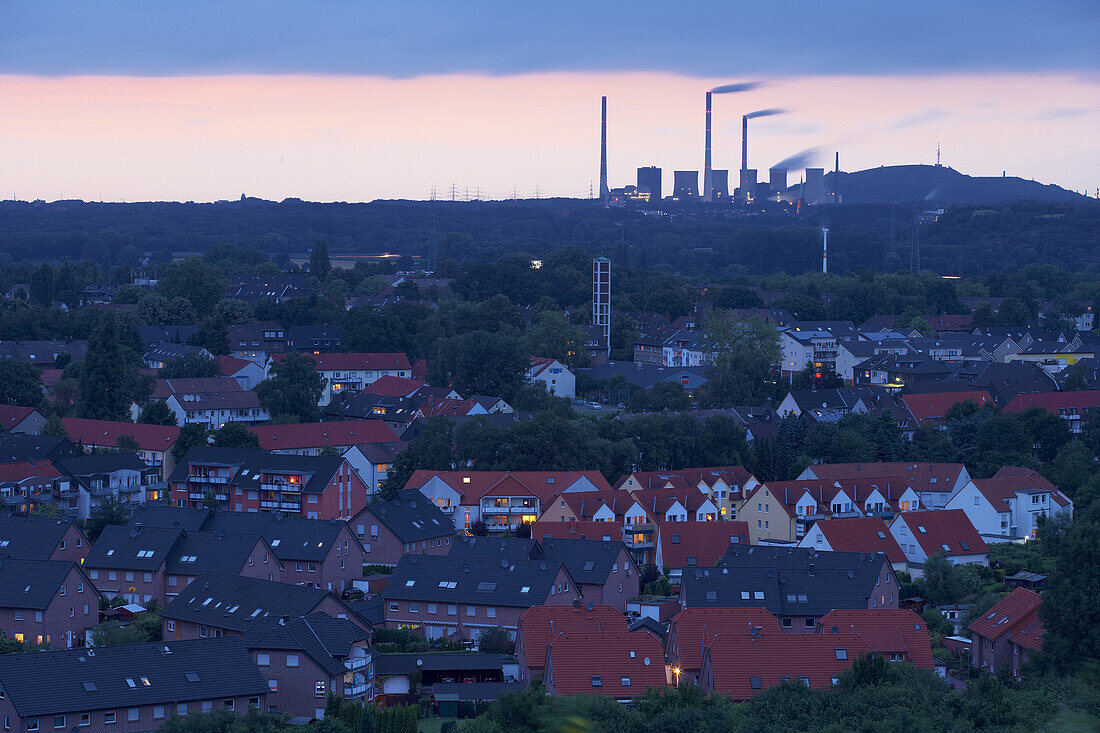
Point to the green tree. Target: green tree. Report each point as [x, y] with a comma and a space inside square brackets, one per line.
[20, 383]
[55, 428]
[42, 285]
[946, 583]
[109, 511]
[319, 264]
[433, 449]
[1068, 608]
[481, 362]
[157, 412]
[145, 628]
[294, 388]
[190, 366]
[496, 641]
[235, 435]
[109, 379]
[47, 511]
[191, 435]
[553, 337]
[201, 284]
[128, 444]
[744, 354]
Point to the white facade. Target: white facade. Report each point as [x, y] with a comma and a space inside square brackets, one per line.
[1013, 518]
[213, 417]
[906, 537]
[557, 379]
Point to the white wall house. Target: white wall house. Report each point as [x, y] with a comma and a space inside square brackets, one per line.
[1003, 511]
[553, 375]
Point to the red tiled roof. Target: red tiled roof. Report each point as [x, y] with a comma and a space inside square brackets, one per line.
[586, 503]
[537, 622]
[321, 434]
[886, 631]
[165, 388]
[50, 377]
[390, 386]
[107, 433]
[12, 415]
[933, 406]
[659, 501]
[446, 407]
[1029, 632]
[539, 363]
[736, 660]
[610, 657]
[919, 476]
[230, 365]
[949, 527]
[1007, 615]
[578, 530]
[687, 626]
[1055, 401]
[707, 542]
[860, 534]
[355, 362]
[24, 470]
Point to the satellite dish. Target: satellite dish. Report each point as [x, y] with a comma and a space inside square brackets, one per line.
[590, 605]
[646, 661]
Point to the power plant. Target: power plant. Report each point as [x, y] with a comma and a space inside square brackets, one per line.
[751, 190]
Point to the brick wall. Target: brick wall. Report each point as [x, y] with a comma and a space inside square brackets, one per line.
[293, 689]
[113, 582]
[62, 623]
[386, 548]
[126, 719]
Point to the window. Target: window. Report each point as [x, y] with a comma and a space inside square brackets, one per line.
[835, 680]
[109, 716]
[452, 610]
[394, 606]
[273, 685]
[414, 607]
[292, 660]
[171, 625]
[491, 612]
[758, 595]
[84, 719]
[744, 595]
[263, 660]
[229, 703]
[158, 712]
[597, 681]
[809, 623]
[59, 721]
[804, 680]
[625, 681]
[470, 610]
[841, 653]
[754, 682]
[32, 723]
[181, 708]
[132, 714]
[431, 608]
[319, 689]
[788, 623]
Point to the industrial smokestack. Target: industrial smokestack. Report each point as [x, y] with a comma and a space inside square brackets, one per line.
[605, 192]
[708, 182]
[824, 251]
[836, 179]
[744, 143]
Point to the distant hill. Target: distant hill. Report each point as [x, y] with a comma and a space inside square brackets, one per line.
[941, 186]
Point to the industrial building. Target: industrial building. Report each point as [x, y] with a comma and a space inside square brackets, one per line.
[685, 185]
[649, 182]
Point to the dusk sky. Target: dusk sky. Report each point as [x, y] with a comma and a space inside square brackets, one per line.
[354, 101]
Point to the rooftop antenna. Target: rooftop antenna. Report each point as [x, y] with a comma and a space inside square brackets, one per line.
[938, 155]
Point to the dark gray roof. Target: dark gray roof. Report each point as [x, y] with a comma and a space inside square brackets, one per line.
[152, 335]
[642, 375]
[251, 462]
[1005, 381]
[129, 548]
[16, 447]
[411, 517]
[436, 662]
[199, 551]
[480, 549]
[647, 623]
[512, 583]
[588, 561]
[326, 640]
[370, 610]
[290, 537]
[45, 683]
[82, 466]
[787, 581]
[361, 406]
[233, 602]
[843, 398]
[30, 583]
[476, 691]
[31, 538]
[159, 515]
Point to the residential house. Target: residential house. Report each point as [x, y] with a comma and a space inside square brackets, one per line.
[222, 604]
[163, 354]
[1007, 507]
[142, 564]
[501, 499]
[795, 585]
[856, 534]
[26, 485]
[257, 342]
[210, 401]
[898, 635]
[400, 675]
[934, 483]
[689, 630]
[343, 373]
[1007, 381]
[16, 419]
[409, 524]
[682, 547]
[129, 688]
[247, 373]
[268, 287]
[46, 602]
[314, 339]
[618, 664]
[249, 480]
[41, 538]
[1070, 406]
[390, 386]
[154, 442]
[538, 623]
[924, 534]
[324, 553]
[553, 375]
[742, 668]
[449, 597]
[645, 376]
[120, 477]
[1008, 633]
[308, 658]
[801, 346]
[821, 405]
[43, 354]
[397, 412]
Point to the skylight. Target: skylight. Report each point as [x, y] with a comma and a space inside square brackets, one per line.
[921, 529]
[841, 653]
[191, 676]
[410, 583]
[188, 558]
[744, 595]
[275, 543]
[89, 686]
[448, 584]
[485, 586]
[881, 534]
[525, 589]
[130, 683]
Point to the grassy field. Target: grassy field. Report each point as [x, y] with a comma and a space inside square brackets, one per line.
[433, 725]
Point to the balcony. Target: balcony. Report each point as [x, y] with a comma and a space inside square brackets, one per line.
[514, 506]
[640, 536]
[356, 690]
[354, 663]
[196, 478]
[281, 487]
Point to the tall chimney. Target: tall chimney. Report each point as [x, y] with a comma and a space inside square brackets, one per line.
[744, 143]
[605, 193]
[708, 182]
[836, 179]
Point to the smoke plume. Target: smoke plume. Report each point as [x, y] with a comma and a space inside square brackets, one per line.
[800, 160]
[765, 113]
[746, 86]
